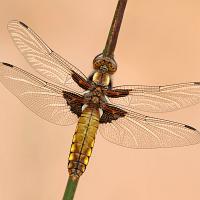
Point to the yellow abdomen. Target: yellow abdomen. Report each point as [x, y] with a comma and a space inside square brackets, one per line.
[83, 141]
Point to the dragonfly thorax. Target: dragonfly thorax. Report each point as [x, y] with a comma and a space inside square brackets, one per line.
[102, 79]
[95, 97]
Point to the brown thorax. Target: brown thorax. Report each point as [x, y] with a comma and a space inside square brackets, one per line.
[95, 97]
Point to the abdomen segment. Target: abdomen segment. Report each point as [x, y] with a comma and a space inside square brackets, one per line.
[83, 141]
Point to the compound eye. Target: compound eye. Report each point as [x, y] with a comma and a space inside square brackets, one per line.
[112, 68]
[97, 64]
[102, 62]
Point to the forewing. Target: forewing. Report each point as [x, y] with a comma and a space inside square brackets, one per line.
[44, 60]
[158, 98]
[43, 98]
[138, 131]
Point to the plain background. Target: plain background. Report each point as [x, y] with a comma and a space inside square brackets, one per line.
[159, 44]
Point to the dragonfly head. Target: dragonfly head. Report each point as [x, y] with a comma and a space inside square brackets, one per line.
[105, 64]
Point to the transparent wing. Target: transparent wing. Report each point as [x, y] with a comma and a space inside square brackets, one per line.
[140, 131]
[45, 61]
[44, 99]
[159, 98]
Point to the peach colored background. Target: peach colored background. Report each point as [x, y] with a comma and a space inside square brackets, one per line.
[159, 43]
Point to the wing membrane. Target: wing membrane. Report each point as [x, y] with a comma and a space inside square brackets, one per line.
[139, 131]
[43, 98]
[159, 98]
[45, 61]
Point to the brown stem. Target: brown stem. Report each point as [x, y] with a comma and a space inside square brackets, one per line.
[107, 52]
[114, 29]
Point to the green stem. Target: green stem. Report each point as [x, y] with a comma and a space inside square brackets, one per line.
[70, 189]
[114, 29]
[107, 52]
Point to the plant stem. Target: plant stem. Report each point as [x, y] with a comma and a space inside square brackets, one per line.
[70, 189]
[114, 29]
[107, 52]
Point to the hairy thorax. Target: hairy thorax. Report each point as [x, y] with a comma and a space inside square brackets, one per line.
[95, 97]
[100, 78]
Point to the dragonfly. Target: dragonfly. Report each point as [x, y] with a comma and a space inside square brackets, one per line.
[93, 103]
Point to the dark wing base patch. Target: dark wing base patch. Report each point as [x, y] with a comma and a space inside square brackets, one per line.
[80, 81]
[74, 101]
[116, 93]
[111, 113]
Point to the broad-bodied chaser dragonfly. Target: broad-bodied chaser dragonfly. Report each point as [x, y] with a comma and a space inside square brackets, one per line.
[94, 103]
